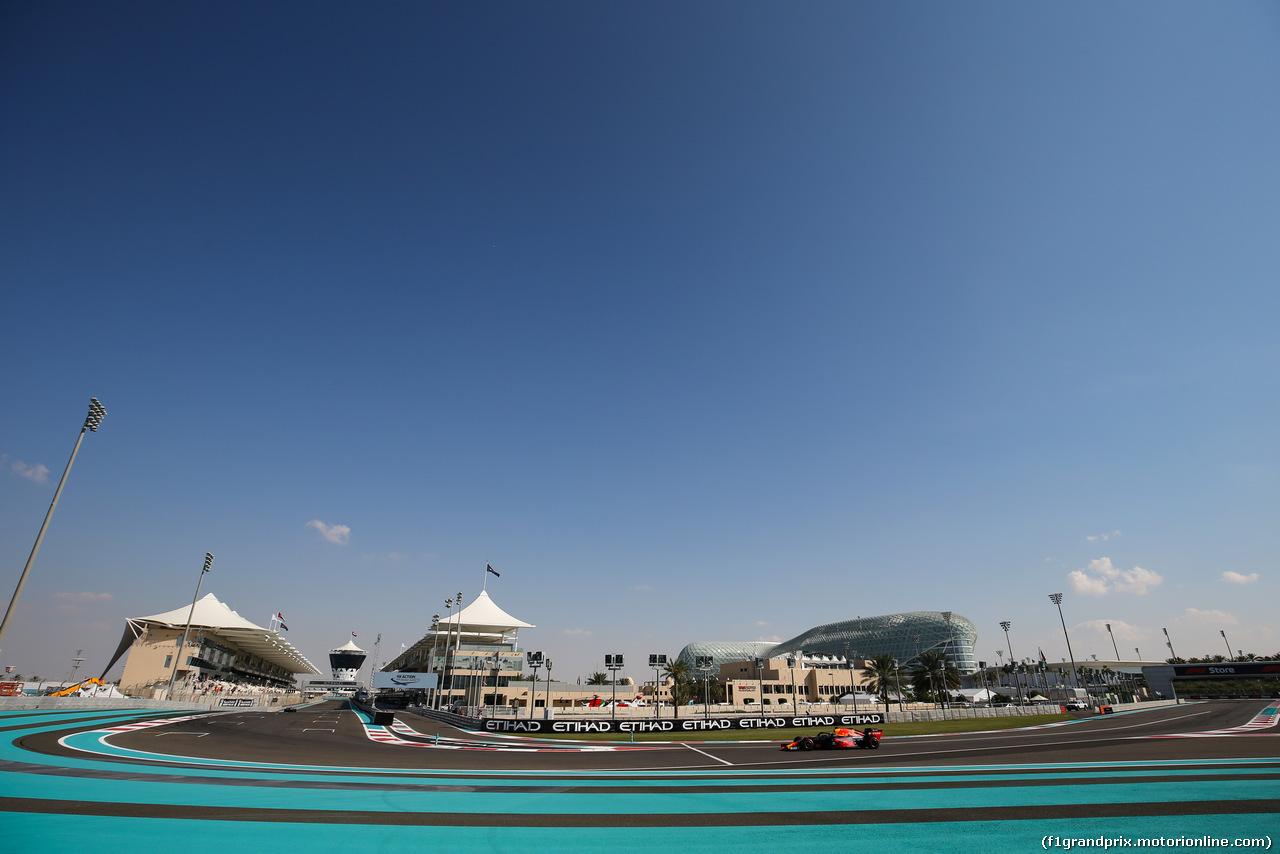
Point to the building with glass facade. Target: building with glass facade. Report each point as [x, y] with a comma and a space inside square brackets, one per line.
[904, 636]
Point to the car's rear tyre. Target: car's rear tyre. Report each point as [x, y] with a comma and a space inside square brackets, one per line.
[873, 743]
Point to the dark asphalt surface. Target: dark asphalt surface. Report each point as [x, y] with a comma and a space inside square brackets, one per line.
[330, 735]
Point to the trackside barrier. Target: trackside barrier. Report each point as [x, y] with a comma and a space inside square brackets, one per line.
[377, 717]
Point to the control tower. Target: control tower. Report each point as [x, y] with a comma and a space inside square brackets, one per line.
[346, 661]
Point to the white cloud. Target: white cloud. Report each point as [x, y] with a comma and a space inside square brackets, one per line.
[578, 632]
[338, 534]
[1208, 618]
[38, 473]
[1101, 577]
[1138, 581]
[1236, 578]
[770, 639]
[1093, 538]
[1086, 586]
[763, 623]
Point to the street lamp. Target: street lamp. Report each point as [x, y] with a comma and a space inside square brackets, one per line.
[1169, 643]
[91, 422]
[546, 706]
[704, 665]
[535, 661]
[444, 655]
[208, 562]
[1056, 598]
[897, 675]
[613, 663]
[760, 684]
[1004, 624]
[657, 661]
[951, 644]
[1223, 632]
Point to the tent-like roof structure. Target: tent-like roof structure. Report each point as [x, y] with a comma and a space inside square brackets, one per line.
[485, 617]
[214, 617]
[480, 622]
[349, 646]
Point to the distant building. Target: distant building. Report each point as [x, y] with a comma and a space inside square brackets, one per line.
[904, 636]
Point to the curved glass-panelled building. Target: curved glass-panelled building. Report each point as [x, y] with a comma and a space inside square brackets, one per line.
[904, 636]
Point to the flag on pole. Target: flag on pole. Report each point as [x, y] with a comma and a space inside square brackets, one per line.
[280, 620]
[353, 634]
[1042, 658]
[488, 568]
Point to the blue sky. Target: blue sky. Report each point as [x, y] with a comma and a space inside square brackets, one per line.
[706, 321]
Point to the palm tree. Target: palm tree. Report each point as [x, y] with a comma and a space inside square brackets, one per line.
[934, 675]
[598, 678]
[678, 672]
[883, 675]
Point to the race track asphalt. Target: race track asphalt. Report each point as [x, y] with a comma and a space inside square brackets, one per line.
[325, 779]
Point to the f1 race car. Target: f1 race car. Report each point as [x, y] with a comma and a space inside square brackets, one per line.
[842, 738]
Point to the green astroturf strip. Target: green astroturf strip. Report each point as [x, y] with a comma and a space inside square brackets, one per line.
[104, 835]
[552, 802]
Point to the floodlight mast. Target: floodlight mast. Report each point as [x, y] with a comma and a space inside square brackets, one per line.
[208, 562]
[91, 422]
[1056, 598]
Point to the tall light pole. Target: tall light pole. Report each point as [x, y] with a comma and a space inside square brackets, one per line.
[534, 660]
[444, 656]
[1113, 642]
[704, 665]
[613, 663]
[453, 665]
[760, 684]
[546, 707]
[1004, 624]
[91, 422]
[177, 659]
[1056, 598]
[431, 659]
[1169, 643]
[1223, 632]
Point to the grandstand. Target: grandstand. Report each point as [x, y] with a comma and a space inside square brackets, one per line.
[224, 655]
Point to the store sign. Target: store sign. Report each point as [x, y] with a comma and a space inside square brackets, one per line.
[1236, 668]
[686, 724]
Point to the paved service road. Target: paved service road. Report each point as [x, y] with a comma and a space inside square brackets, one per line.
[324, 779]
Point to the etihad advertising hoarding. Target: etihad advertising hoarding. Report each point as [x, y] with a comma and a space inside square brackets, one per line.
[685, 724]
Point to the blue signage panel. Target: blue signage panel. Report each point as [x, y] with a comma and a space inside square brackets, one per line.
[405, 681]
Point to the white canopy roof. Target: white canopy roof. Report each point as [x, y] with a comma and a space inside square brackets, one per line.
[483, 615]
[349, 646]
[216, 618]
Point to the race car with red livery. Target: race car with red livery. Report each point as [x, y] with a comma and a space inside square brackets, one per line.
[841, 739]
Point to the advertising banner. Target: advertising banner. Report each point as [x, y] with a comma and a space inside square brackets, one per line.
[682, 725]
[405, 681]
